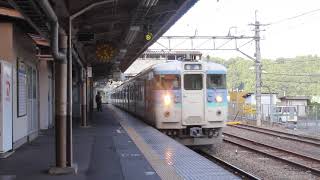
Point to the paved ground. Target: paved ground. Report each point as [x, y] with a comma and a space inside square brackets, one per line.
[103, 151]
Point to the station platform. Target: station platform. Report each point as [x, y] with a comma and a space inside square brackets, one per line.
[115, 146]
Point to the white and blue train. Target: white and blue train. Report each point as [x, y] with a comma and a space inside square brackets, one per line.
[186, 100]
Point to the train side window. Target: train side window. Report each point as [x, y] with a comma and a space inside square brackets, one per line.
[138, 92]
[134, 92]
[141, 89]
[193, 81]
[127, 93]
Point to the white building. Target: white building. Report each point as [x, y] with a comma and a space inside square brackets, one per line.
[266, 100]
[300, 101]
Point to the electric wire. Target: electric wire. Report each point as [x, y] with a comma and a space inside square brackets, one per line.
[284, 74]
[293, 17]
[294, 61]
[298, 82]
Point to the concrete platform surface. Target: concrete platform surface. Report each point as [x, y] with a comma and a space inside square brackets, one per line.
[102, 151]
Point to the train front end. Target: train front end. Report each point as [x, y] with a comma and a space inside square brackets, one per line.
[194, 107]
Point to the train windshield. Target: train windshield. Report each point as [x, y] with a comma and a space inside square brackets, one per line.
[167, 82]
[193, 81]
[286, 110]
[216, 81]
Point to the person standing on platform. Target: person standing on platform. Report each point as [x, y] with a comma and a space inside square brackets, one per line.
[99, 102]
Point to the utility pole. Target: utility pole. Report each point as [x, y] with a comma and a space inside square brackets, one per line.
[258, 70]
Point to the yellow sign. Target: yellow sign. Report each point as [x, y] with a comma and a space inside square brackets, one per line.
[149, 36]
[249, 109]
[105, 52]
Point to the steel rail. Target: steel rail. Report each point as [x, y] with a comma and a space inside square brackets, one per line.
[284, 133]
[233, 169]
[254, 146]
[277, 134]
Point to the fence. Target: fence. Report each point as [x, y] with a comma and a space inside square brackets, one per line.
[310, 121]
[307, 117]
[241, 111]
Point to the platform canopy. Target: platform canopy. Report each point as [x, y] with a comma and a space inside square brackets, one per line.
[110, 34]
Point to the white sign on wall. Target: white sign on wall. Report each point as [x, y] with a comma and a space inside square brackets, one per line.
[6, 107]
[89, 72]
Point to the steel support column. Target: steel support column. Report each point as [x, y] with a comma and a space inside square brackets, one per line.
[61, 107]
[59, 45]
[89, 98]
[83, 89]
[69, 99]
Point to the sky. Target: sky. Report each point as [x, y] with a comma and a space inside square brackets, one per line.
[289, 38]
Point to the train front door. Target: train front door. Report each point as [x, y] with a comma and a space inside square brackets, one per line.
[192, 99]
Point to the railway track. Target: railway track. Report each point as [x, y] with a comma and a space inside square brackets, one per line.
[283, 135]
[235, 170]
[299, 160]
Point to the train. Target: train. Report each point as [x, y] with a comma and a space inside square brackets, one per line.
[186, 100]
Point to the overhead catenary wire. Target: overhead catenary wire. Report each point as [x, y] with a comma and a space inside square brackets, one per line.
[285, 74]
[293, 17]
[298, 82]
[295, 61]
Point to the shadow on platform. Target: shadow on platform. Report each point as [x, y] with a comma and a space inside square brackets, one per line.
[103, 151]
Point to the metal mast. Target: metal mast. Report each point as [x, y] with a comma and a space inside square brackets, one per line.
[258, 70]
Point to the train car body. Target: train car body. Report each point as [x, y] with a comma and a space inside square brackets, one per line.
[186, 100]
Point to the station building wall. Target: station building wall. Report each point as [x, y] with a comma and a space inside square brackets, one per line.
[17, 46]
[46, 95]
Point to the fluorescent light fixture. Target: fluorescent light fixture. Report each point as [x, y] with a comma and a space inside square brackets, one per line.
[132, 34]
[134, 28]
[149, 3]
[122, 53]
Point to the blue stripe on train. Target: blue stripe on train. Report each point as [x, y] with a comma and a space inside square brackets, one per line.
[216, 72]
[167, 72]
[214, 104]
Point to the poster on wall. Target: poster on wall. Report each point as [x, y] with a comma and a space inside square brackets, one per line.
[22, 88]
[0, 90]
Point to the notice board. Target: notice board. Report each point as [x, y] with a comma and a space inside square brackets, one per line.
[22, 88]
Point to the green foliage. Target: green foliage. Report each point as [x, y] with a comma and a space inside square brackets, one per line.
[294, 76]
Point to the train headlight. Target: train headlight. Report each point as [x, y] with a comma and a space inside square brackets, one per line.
[167, 100]
[218, 99]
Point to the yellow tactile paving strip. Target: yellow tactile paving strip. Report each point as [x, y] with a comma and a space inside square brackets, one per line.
[165, 171]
